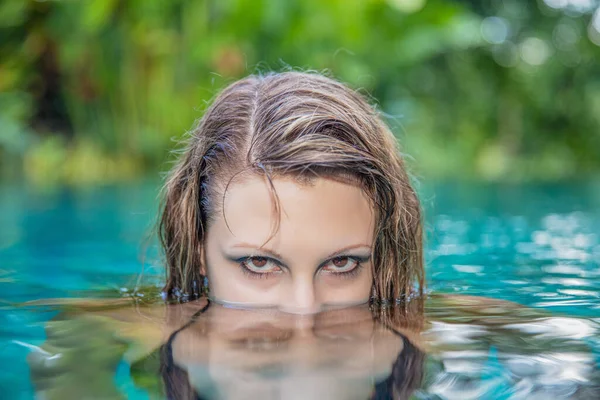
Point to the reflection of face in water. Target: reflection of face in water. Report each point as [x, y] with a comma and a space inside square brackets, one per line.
[337, 354]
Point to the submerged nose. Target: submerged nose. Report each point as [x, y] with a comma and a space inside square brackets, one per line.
[301, 298]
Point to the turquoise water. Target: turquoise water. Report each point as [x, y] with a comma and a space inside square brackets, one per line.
[536, 245]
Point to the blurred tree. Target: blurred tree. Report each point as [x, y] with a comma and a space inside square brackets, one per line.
[95, 90]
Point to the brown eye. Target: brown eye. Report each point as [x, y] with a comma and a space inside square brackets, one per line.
[341, 265]
[259, 262]
[340, 261]
[261, 265]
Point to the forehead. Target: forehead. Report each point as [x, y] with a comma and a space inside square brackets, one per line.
[313, 213]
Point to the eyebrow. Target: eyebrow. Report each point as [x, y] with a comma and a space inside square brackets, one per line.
[345, 249]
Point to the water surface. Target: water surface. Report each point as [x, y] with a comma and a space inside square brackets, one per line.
[537, 246]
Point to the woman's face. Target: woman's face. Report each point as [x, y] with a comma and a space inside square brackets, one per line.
[319, 254]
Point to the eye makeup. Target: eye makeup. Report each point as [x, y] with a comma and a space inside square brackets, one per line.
[358, 259]
[278, 266]
[353, 273]
[243, 264]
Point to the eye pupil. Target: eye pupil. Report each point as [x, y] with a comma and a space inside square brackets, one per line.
[340, 261]
[259, 261]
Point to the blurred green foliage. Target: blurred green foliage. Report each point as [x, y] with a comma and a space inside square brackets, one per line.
[96, 90]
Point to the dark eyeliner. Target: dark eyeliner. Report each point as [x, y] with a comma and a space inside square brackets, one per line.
[246, 258]
[254, 275]
[350, 274]
[360, 260]
[241, 261]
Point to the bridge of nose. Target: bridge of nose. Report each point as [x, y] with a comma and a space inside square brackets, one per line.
[300, 295]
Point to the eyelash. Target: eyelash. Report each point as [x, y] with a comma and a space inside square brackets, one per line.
[252, 274]
[264, 275]
[353, 272]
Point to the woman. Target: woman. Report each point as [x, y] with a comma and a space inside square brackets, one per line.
[291, 192]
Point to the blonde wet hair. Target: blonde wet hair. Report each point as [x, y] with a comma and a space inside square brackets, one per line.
[298, 124]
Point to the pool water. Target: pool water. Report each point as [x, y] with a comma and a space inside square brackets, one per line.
[534, 245]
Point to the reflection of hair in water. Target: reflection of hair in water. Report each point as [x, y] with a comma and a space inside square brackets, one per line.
[407, 370]
[176, 381]
[406, 375]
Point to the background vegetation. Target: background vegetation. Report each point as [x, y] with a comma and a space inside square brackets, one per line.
[96, 90]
